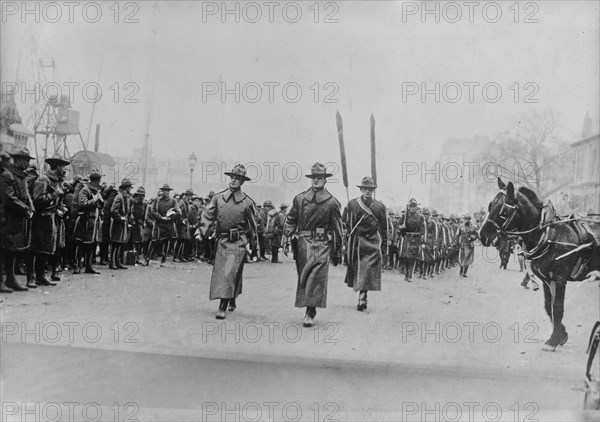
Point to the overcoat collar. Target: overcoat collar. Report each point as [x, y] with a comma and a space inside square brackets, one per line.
[318, 196]
[238, 196]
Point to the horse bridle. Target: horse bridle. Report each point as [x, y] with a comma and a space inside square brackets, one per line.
[507, 217]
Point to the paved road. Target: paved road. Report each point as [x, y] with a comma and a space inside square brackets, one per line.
[446, 348]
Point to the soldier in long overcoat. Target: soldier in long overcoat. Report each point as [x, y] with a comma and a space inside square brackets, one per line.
[120, 212]
[164, 212]
[87, 225]
[466, 235]
[410, 238]
[16, 211]
[365, 219]
[138, 222]
[46, 225]
[428, 231]
[108, 193]
[231, 215]
[183, 227]
[275, 229]
[314, 224]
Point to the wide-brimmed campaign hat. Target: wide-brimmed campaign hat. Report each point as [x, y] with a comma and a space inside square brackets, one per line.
[268, 203]
[425, 211]
[367, 182]
[318, 170]
[189, 192]
[238, 170]
[57, 160]
[166, 187]
[413, 202]
[283, 205]
[434, 213]
[95, 175]
[125, 183]
[467, 216]
[140, 192]
[21, 152]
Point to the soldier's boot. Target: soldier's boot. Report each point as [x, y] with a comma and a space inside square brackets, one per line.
[88, 261]
[465, 271]
[309, 317]
[29, 268]
[461, 270]
[119, 258]
[222, 309]
[9, 268]
[176, 251]
[113, 258]
[77, 263]
[40, 271]
[362, 301]
[3, 287]
[232, 305]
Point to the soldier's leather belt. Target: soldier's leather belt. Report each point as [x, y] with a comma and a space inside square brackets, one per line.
[317, 234]
[231, 234]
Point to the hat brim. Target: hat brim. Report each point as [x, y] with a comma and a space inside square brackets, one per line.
[314, 176]
[125, 186]
[57, 161]
[228, 173]
[367, 186]
[169, 189]
[29, 157]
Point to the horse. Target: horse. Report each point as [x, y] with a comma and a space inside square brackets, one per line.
[560, 249]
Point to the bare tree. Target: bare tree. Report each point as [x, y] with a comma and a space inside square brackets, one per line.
[533, 154]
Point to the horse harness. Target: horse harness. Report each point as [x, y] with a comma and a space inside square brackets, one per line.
[548, 220]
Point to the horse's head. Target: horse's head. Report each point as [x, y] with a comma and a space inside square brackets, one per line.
[501, 213]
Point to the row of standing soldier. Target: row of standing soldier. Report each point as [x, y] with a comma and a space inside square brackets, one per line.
[46, 220]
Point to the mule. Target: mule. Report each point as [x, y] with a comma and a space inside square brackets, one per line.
[560, 250]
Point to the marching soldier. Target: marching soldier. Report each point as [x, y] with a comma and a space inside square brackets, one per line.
[409, 244]
[231, 215]
[437, 242]
[366, 222]
[315, 221]
[261, 221]
[465, 236]
[121, 212]
[427, 231]
[391, 249]
[16, 211]
[277, 224]
[137, 223]
[87, 226]
[47, 200]
[164, 212]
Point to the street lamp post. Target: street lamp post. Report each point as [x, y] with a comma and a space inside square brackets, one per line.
[192, 160]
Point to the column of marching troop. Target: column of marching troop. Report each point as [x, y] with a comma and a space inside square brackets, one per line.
[319, 233]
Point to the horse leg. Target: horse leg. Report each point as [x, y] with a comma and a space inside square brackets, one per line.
[559, 309]
[548, 307]
[554, 301]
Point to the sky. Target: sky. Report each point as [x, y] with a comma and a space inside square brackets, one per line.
[365, 63]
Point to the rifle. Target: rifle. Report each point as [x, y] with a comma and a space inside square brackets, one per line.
[373, 156]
